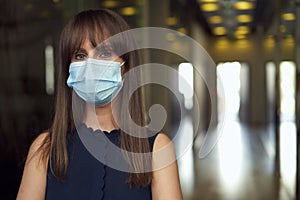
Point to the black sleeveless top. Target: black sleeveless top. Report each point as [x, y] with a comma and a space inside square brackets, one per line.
[89, 179]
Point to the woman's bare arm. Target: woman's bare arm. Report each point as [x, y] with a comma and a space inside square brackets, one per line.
[165, 183]
[33, 184]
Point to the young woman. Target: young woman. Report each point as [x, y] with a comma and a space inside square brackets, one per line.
[59, 166]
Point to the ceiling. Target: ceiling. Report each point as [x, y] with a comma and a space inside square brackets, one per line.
[238, 19]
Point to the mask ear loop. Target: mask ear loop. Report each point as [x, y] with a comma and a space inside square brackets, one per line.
[122, 63]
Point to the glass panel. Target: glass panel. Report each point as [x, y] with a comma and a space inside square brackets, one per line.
[270, 79]
[228, 86]
[186, 83]
[287, 90]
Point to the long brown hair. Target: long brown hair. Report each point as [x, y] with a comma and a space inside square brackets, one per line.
[94, 25]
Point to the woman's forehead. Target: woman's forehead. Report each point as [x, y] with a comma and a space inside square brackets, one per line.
[91, 41]
[95, 36]
[88, 44]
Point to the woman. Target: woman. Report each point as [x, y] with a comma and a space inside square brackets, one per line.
[59, 166]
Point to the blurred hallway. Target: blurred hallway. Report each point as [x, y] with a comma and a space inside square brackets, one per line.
[241, 166]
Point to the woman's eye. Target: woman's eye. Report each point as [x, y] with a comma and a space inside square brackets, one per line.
[105, 54]
[80, 56]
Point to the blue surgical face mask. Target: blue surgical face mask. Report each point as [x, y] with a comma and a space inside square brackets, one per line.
[96, 81]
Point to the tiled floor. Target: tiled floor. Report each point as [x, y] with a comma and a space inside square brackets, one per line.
[241, 165]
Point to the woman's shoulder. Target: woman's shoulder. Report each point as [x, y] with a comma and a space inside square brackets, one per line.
[157, 140]
[39, 140]
[33, 181]
[163, 152]
[165, 182]
[37, 148]
[161, 140]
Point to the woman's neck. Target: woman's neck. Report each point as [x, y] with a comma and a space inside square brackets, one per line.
[100, 118]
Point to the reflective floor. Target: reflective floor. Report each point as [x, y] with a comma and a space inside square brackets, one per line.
[241, 165]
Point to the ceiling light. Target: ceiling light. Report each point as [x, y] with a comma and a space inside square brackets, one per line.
[282, 28]
[45, 14]
[170, 37]
[128, 11]
[171, 21]
[239, 36]
[288, 16]
[28, 7]
[219, 30]
[210, 7]
[182, 30]
[289, 39]
[243, 5]
[176, 46]
[244, 18]
[242, 42]
[208, 1]
[242, 30]
[215, 19]
[269, 41]
[110, 4]
[222, 42]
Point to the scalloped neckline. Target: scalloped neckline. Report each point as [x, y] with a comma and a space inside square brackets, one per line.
[97, 131]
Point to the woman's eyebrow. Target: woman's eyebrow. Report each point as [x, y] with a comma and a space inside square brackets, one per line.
[104, 47]
[81, 50]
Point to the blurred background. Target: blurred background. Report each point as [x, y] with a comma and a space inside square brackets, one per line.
[255, 47]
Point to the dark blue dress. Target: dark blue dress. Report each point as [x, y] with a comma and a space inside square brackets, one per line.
[89, 179]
